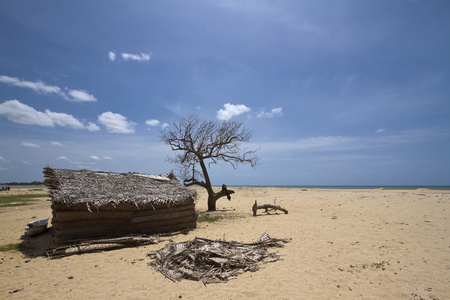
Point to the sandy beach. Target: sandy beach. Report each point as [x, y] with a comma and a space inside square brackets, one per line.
[348, 244]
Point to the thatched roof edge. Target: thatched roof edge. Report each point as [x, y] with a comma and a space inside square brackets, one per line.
[96, 189]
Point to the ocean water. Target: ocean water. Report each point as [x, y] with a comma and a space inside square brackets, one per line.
[343, 187]
[363, 187]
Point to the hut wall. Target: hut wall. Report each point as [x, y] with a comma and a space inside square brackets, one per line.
[76, 222]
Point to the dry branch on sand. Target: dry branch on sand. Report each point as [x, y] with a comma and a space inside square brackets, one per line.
[267, 207]
[100, 245]
[213, 261]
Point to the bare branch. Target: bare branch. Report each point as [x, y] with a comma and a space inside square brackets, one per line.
[206, 141]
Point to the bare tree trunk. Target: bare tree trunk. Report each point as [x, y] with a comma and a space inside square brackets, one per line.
[213, 197]
[212, 202]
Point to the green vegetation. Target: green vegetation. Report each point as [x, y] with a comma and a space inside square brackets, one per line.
[12, 247]
[20, 200]
[23, 183]
[380, 265]
[208, 218]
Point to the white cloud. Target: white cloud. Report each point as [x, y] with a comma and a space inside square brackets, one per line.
[107, 158]
[231, 110]
[338, 143]
[116, 123]
[112, 56]
[81, 96]
[2, 159]
[274, 112]
[155, 123]
[136, 57]
[4, 169]
[92, 127]
[18, 112]
[95, 157]
[381, 130]
[40, 87]
[26, 163]
[177, 108]
[319, 143]
[57, 144]
[271, 12]
[63, 120]
[152, 122]
[30, 145]
[80, 164]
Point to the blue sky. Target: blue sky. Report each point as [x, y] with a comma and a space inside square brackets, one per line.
[335, 92]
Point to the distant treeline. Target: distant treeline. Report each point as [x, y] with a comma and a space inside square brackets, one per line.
[23, 183]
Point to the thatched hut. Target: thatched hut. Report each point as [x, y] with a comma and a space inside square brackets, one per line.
[88, 204]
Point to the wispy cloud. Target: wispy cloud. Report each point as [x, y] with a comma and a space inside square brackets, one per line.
[231, 110]
[142, 57]
[30, 145]
[152, 122]
[338, 143]
[177, 108]
[3, 161]
[116, 123]
[81, 165]
[97, 158]
[81, 96]
[18, 112]
[312, 143]
[136, 57]
[271, 12]
[92, 127]
[42, 88]
[63, 119]
[274, 112]
[156, 123]
[38, 87]
[57, 144]
[112, 56]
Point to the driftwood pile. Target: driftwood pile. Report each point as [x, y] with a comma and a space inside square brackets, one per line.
[213, 261]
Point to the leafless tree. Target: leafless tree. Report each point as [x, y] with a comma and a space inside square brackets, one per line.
[203, 143]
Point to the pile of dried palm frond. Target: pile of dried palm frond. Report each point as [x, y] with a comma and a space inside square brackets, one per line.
[213, 261]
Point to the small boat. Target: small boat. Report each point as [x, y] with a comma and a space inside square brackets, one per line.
[37, 227]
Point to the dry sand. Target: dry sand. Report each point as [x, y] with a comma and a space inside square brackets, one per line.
[349, 244]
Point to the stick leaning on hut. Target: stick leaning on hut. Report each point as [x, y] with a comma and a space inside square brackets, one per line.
[88, 204]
